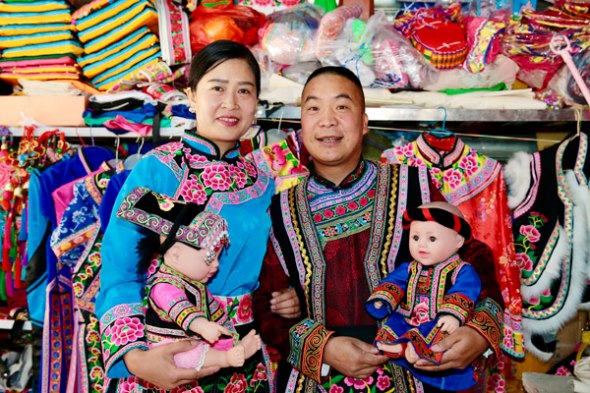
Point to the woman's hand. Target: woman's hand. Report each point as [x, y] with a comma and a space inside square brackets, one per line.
[352, 357]
[285, 303]
[156, 365]
[460, 349]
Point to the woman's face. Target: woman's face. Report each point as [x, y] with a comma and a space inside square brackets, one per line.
[225, 103]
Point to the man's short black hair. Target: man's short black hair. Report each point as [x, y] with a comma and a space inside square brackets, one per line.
[341, 71]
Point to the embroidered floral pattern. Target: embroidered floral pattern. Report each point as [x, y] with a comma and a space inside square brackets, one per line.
[420, 314]
[524, 244]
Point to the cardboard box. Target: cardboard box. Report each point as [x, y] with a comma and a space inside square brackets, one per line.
[47, 110]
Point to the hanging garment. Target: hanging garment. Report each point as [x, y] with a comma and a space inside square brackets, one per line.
[549, 202]
[475, 184]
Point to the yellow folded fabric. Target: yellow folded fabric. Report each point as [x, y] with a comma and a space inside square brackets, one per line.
[111, 24]
[38, 6]
[116, 58]
[45, 70]
[12, 30]
[114, 48]
[117, 84]
[43, 77]
[66, 47]
[127, 64]
[148, 18]
[30, 39]
[25, 18]
[105, 13]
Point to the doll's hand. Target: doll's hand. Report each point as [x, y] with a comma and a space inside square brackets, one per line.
[378, 304]
[210, 331]
[447, 323]
[285, 303]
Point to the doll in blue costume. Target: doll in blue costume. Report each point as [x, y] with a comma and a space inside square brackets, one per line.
[424, 300]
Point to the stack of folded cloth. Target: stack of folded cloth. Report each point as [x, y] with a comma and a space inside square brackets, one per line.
[118, 39]
[36, 41]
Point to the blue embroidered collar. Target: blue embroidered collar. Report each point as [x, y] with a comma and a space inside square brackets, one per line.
[209, 148]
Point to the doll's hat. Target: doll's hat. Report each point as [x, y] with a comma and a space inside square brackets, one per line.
[438, 215]
[179, 221]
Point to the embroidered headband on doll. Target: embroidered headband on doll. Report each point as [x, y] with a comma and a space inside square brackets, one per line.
[177, 220]
[441, 216]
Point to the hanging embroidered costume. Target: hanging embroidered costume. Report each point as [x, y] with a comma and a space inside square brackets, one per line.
[76, 242]
[334, 244]
[475, 184]
[549, 198]
[231, 186]
[413, 296]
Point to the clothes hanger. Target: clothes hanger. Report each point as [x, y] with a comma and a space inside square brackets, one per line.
[133, 159]
[441, 138]
[114, 162]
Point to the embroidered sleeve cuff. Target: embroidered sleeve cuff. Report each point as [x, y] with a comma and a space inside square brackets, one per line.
[122, 329]
[458, 306]
[308, 340]
[486, 320]
[183, 313]
[389, 294]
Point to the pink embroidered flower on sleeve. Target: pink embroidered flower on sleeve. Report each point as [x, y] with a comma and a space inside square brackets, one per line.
[524, 262]
[125, 330]
[469, 164]
[171, 147]
[238, 176]
[453, 178]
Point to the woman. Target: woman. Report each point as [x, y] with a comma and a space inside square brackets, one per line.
[207, 168]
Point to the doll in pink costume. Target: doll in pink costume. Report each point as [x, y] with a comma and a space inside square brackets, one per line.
[187, 241]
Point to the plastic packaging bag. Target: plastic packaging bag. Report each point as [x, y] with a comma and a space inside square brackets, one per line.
[288, 36]
[224, 22]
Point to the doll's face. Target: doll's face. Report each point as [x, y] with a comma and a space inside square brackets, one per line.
[191, 262]
[431, 242]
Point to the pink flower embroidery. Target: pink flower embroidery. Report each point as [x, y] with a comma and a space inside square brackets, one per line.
[371, 194]
[216, 177]
[363, 201]
[244, 312]
[192, 191]
[250, 169]
[92, 336]
[238, 176]
[340, 210]
[328, 213]
[259, 374]
[127, 386]
[263, 3]
[530, 232]
[171, 147]
[353, 206]
[290, 3]
[125, 330]
[153, 267]
[469, 165]
[359, 383]
[96, 373]
[78, 289]
[336, 389]
[416, 162]
[383, 382]
[195, 158]
[317, 217]
[406, 150]
[453, 178]
[420, 314]
[237, 384]
[524, 261]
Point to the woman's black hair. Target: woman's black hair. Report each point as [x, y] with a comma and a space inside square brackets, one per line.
[218, 52]
[340, 71]
[147, 248]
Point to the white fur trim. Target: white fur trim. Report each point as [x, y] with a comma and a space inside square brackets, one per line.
[517, 173]
[530, 348]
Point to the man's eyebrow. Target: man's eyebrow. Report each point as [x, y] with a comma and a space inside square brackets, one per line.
[342, 95]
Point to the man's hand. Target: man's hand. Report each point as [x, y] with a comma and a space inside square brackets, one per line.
[352, 357]
[285, 303]
[156, 365]
[462, 347]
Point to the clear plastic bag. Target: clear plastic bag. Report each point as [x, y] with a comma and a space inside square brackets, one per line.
[288, 36]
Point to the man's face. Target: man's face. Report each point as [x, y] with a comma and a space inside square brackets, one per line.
[333, 121]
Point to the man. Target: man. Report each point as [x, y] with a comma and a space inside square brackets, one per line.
[335, 236]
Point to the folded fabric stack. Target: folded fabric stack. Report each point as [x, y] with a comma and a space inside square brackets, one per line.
[118, 39]
[37, 41]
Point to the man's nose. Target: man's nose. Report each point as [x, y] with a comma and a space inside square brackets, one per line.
[327, 118]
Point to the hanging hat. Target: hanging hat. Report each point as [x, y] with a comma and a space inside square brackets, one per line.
[440, 216]
[176, 220]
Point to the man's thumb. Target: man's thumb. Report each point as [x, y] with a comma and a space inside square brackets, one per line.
[445, 343]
